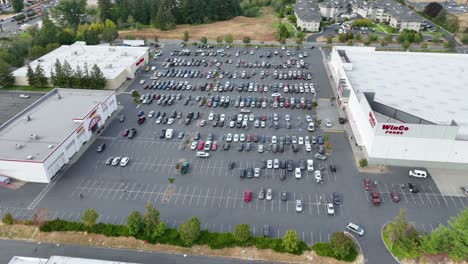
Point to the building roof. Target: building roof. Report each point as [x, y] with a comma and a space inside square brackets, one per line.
[307, 11]
[111, 59]
[51, 121]
[27, 260]
[431, 86]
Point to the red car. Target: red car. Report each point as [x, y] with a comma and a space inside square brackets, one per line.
[146, 87]
[125, 132]
[248, 138]
[215, 145]
[201, 144]
[264, 118]
[141, 120]
[394, 196]
[255, 138]
[375, 197]
[247, 196]
[367, 185]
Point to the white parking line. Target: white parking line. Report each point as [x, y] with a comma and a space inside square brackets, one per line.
[193, 194]
[221, 197]
[130, 191]
[235, 200]
[159, 193]
[435, 195]
[206, 197]
[427, 195]
[199, 196]
[185, 195]
[151, 193]
[145, 192]
[318, 202]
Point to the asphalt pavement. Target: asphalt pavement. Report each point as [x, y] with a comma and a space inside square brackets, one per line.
[214, 193]
[11, 248]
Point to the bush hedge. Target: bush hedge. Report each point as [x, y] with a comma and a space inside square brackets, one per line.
[171, 236]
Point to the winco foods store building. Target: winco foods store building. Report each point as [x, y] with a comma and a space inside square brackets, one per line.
[406, 109]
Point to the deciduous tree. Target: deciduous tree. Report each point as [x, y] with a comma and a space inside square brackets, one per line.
[242, 233]
[135, 223]
[189, 231]
[89, 217]
[291, 241]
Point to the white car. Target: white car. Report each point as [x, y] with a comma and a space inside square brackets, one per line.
[318, 176]
[270, 164]
[232, 124]
[257, 172]
[330, 209]
[276, 164]
[260, 148]
[298, 206]
[287, 118]
[311, 127]
[308, 118]
[236, 137]
[207, 145]
[269, 194]
[194, 145]
[229, 137]
[151, 114]
[297, 173]
[301, 141]
[142, 81]
[308, 147]
[24, 96]
[211, 116]
[274, 140]
[242, 138]
[124, 161]
[170, 121]
[222, 117]
[307, 140]
[294, 140]
[328, 123]
[310, 165]
[115, 161]
[251, 117]
[202, 154]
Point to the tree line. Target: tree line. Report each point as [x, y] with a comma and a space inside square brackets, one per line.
[63, 75]
[148, 226]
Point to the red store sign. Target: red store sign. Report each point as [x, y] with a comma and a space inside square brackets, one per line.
[140, 61]
[394, 130]
[372, 120]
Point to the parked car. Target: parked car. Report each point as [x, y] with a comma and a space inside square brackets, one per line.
[367, 185]
[115, 161]
[330, 209]
[266, 231]
[247, 196]
[336, 198]
[202, 154]
[394, 196]
[269, 194]
[320, 156]
[284, 196]
[375, 198]
[261, 194]
[418, 173]
[412, 188]
[298, 206]
[124, 161]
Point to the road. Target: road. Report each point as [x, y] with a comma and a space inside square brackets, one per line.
[11, 248]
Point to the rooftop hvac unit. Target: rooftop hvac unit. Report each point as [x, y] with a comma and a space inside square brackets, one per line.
[124, 53]
[40, 60]
[51, 146]
[33, 136]
[30, 157]
[75, 52]
[28, 117]
[108, 66]
[19, 146]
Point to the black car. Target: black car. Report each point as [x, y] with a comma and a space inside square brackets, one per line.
[101, 147]
[241, 147]
[248, 146]
[196, 135]
[336, 198]
[242, 173]
[162, 133]
[282, 174]
[231, 165]
[412, 188]
[290, 165]
[263, 164]
[295, 148]
[250, 172]
[302, 164]
[132, 133]
[332, 168]
[284, 196]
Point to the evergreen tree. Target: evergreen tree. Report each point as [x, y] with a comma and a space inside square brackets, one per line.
[86, 81]
[79, 77]
[6, 79]
[105, 9]
[68, 75]
[97, 78]
[17, 5]
[57, 77]
[41, 79]
[164, 19]
[31, 77]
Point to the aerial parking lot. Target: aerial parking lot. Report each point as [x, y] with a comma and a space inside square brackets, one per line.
[256, 147]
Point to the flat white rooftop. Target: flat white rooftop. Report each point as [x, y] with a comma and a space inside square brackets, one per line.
[112, 60]
[51, 119]
[432, 86]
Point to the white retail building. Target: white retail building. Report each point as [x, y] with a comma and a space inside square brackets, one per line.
[37, 142]
[117, 63]
[405, 108]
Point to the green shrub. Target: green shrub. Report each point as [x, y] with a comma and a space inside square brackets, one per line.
[61, 225]
[8, 219]
[343, 247]
[109, 230]
[363, 163]
[170, 236]
[323, 249]
[222, 240]
[262, 242]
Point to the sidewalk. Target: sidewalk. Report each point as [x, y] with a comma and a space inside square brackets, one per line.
[359, 151]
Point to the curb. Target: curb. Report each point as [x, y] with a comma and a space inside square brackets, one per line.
[381, 237]
[357, 243]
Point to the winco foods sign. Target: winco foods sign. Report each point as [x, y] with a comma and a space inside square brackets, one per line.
[395, 130]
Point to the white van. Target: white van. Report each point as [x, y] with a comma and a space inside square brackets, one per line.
[355, 229]
[310, 165]
[418, 173]
[202, 154]
[169, 133]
